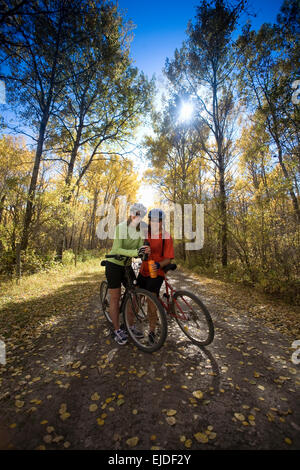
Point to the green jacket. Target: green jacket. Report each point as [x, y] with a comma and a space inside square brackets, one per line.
[125, 246]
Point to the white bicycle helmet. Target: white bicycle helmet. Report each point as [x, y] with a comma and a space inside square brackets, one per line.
[138, 209]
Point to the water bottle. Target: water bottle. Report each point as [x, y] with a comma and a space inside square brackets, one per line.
[152, 269]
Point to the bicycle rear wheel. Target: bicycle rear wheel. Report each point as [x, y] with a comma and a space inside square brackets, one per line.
[193, 318]
[145, 320]
[104, 300]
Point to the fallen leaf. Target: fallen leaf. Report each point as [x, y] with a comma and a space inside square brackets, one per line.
[201, 437]
[171, 412]
[132, 442]
[19, 403]
[198, 394]
[95, 396]
[239, 416]
[171, 420]
[188, 443]
[93, 407]
[64, 416]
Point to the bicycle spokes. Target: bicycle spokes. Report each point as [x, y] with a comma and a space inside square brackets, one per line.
[145, 321]
[193, 318]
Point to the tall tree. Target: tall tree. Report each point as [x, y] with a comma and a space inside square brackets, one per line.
[267, 72]
[103, 101]
[39, 40]
[203, 69]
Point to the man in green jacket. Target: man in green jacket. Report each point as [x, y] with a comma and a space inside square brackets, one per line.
[129, 242]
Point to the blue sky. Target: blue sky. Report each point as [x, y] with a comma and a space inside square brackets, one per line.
[160, 29]
[161, 26]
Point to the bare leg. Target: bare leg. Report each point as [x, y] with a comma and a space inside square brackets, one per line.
[152, 315]
[114, 311]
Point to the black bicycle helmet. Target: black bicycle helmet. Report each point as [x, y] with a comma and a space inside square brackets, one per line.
[156, 214]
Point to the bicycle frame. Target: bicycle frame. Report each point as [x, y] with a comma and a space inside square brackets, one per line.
[168, 306]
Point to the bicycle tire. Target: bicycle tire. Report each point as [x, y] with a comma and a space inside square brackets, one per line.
[104, 301]
[142, 321]
[201, 325]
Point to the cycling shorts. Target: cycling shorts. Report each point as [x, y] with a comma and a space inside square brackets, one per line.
[115, 275]
[149, 283]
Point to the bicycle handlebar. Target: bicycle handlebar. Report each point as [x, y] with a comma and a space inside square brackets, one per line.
[118, 257]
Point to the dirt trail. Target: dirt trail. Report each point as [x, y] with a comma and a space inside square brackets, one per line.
[74, 388]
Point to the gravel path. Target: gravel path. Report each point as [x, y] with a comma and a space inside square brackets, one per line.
[72, 387]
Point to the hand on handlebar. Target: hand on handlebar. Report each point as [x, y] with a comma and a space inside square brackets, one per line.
[144, 250]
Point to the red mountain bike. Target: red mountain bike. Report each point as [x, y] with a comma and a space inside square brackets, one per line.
[189, 311]
[149, 314]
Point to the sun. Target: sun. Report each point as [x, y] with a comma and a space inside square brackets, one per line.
[186, 111]
[146, 195]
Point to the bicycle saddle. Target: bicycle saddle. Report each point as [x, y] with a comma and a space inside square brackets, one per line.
[170, 267]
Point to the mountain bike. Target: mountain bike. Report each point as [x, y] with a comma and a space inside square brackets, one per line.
[144, 317]
[189, 311]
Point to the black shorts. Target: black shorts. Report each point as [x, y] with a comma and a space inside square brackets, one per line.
[150, 283]
[115, 275]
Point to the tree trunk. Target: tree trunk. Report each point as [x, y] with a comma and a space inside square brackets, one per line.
[33, 184]
[223, 211]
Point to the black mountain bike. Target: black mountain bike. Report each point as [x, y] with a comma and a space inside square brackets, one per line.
[144, 317]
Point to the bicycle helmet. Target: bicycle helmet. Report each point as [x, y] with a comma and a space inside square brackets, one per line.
[138, 209]
[156, 214]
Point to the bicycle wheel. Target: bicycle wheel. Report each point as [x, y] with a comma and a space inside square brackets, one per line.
[193, 317]
[104, 300]
[145, 320]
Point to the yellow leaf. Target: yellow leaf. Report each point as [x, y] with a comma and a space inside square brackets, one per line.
[93, 407]
[95, 396]
[201, 437]
[132, 442]
[153, 437]
[63, 408]
[171, 412]
[171, 420]
[188, 443]
[239, 416]
[76, 365]
[287, 440]
[64, 416]
[198, 394]
[100, 421]
[19, 403]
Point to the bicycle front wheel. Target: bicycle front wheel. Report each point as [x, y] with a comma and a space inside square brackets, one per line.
[104, 300]
[193, 318]
[145, 320]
